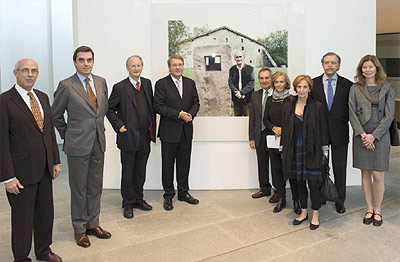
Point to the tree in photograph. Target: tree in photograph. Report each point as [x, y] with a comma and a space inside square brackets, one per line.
[276, 44]
[177, 32]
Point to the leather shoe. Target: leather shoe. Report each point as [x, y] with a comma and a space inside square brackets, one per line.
[142, 206]
[274, 199]
[128, 211]
[340, 208]
[99, 233]
[313, 227]
[260, 194]
[51, 257]
[368, 220]
[296, 207]
[298, 222]
[82, 240]
[189, 199]
[281, 205]
[376, 222]
[168, 204]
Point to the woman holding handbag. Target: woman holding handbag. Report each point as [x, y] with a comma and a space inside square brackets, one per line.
[304, 143]
[371, 111]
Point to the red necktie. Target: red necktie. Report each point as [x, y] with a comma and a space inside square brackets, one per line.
[36, 111]
[138, 85]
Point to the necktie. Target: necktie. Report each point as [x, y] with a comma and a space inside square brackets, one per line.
[92, 97]
[330, 93]
[178, 86]
[138, 85]
[263, 109]
[36, 111]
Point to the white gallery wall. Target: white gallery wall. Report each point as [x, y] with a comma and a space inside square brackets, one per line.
[221, 156]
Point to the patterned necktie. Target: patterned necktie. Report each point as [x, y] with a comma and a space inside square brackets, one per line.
[178, 86]
[330, 93]
[263, 109]
[92, 97]
[138, 85]
[36, 111]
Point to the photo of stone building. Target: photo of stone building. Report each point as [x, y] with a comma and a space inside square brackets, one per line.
[256, 53]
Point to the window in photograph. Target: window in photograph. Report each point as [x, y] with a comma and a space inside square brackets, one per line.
[213, 63]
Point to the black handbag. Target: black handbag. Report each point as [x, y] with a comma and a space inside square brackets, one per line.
[394, 133]
[328, 190]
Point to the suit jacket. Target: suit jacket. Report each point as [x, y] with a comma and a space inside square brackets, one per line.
[168, 103]
[360, 109]
[122, 110]
[338, 116]
[247, 82]
[84, 123]
[26, 152]
[255, 118]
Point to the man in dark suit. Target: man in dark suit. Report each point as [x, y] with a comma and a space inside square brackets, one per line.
[332, 91]
[84, 97]
[131, 114]
[241, 83]
[257, 133]
[28, 163]
[177, 102]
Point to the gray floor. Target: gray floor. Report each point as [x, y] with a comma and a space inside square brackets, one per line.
[226, 226]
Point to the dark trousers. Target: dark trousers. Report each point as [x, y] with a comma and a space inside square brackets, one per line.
[277, 174]
[314, 193]
[263, 164]
[32, 210]
[294, 189]
[240, 108]
[180, 152]
[339, 163]
[134, 172]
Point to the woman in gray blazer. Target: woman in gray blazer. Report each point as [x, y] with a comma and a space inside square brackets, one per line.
[371, 111]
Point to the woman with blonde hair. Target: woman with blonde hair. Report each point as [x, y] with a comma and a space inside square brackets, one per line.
[371, 111]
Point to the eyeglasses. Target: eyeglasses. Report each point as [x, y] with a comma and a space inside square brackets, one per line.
[27, 70]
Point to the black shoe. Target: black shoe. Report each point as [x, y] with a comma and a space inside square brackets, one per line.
[340, 208]
[281, 205]
[313, 227]
[376, 222]
[142, 206]
[128, 211]
[260, 194]
[368, 220]
[189, 199]
[296, 207]
[168, 204]
[274, 199]
[298, 222]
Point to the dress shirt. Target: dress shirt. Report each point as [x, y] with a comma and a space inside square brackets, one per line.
[240, 77]
[180, 82]
[133, 81]
[91, 82]
[333, 84]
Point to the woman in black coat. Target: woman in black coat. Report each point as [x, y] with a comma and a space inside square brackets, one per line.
[304, 143]
[273, 124]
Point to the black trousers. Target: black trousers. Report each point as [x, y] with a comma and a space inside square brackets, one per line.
[263, 157]
[314, 193]
[339, 164]
[240, 108]
[134, 171]
[294, 189]
[32, 210]
[180, 152]
[277, 174]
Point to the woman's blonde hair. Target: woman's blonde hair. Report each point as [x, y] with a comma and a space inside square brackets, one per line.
[380, 76]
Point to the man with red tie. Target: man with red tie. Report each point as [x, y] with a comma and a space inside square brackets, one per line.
[131, 114]
[29, 162]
